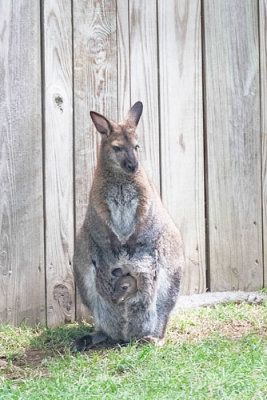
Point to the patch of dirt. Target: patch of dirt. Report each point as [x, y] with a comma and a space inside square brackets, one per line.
[201, 329]
[32, 358]
[30, 363]
[10, 372]
[3, 363]
[237, 329]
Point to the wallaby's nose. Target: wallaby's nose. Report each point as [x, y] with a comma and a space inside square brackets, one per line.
[131, 166]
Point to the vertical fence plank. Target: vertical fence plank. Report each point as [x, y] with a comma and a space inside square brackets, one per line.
[182, 131]
[233, 144]
[95, 86]
[22, 284]
[144, 80]
[58, 161]
[263, 67]
[123, 55]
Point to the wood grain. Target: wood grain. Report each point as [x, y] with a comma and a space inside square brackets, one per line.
[59, 161]
[233, 142]
[95, 88]
[182, 159]
[123, 59]
[144, 80]
[126, 51]
[263, 91]
[22, 283]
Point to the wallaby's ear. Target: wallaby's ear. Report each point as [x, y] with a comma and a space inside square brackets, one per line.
[101, 123]
[135, 113]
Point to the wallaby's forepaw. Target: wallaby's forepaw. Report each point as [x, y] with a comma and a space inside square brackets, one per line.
[130, 246]
[115, 246]
[82, 344]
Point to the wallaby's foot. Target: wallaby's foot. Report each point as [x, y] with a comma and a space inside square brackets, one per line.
[82, 344]
[88, 341]
[159, 342]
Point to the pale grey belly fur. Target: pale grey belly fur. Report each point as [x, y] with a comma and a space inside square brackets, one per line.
[122, 203]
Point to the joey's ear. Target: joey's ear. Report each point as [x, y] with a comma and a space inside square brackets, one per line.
[101, 123]
[117, 272]
[135, 113]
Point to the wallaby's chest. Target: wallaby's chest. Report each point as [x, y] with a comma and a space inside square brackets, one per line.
[122, 201]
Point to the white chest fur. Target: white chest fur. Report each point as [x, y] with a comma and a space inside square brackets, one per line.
[122, 202]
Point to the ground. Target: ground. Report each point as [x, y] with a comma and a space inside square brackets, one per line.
[210, 353]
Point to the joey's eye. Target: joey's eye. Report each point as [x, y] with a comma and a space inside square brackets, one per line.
[116, 149]
[124, 288]
[137, 147]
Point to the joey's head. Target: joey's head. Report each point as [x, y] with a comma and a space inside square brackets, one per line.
[119, 144]
[125, 287]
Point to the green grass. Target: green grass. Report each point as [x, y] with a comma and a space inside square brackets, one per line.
[211, 353]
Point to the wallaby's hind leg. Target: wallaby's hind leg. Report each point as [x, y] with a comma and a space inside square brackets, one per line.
[88, 341]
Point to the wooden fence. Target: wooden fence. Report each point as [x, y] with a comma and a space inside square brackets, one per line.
[199, 67]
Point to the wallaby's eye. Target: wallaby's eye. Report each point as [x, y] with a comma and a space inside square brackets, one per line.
[137, 147]
[116, 149]
[124, 287]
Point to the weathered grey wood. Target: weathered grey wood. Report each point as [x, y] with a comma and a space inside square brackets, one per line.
[22, 283]
[182, 159]
[233, 144]
[58, 161]
[263, 81]
[144, 80]
[118, 47]
[123, 56]
[95, 88]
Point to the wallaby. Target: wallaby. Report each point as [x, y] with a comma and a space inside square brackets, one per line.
[126, 224]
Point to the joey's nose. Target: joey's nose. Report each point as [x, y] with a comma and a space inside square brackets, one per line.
[131, 166]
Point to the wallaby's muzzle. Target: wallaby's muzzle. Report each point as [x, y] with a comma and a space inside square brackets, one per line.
[130, 166]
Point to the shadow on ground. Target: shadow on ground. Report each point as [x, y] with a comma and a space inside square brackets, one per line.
[47, 343]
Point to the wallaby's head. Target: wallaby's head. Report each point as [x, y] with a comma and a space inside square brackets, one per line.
[125, 287]
[119, 144]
